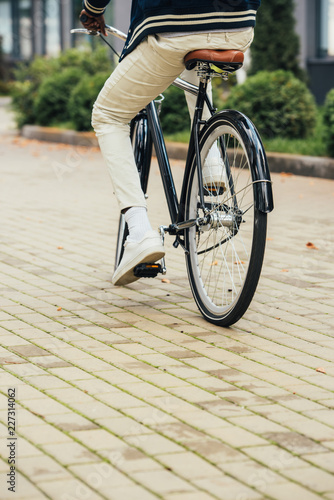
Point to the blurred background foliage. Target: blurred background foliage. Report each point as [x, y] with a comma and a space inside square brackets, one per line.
[61, 91]
[43, 89]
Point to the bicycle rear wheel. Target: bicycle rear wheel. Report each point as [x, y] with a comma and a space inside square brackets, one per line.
[225, 256]
[142, 150]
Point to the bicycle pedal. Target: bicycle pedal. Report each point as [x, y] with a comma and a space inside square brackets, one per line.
[147, 270]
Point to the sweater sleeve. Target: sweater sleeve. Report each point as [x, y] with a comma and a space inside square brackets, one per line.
[95, 7]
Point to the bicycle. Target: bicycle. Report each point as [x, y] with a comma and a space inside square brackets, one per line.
[221, 230]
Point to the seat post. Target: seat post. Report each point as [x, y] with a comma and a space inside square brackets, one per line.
[197, 121]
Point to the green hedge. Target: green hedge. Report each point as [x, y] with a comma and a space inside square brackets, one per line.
[82, 99]
[51, 102]
[277, 102]
[175, 115]
[174, 111]
[42, 91]
[329, 122]
[63, 89]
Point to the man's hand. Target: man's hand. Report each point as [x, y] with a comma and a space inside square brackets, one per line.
[93, 23]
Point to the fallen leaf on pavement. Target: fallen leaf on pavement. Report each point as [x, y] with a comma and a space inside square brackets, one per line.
[284, 270]
[214, 263]
[165, 280]
[37, 414]
[238, 262]
[321, 370]
[312, 246]
[60, 247]
[59, 309]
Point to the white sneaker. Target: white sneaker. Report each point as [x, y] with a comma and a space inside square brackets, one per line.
[214, 174]
[149, 249]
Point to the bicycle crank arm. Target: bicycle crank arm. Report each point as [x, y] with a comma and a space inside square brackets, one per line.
[180, 226]
[214, 220]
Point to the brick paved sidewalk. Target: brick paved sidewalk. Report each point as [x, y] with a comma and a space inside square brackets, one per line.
[127, 393]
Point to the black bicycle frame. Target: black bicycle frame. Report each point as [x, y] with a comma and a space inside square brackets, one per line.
[176, 208]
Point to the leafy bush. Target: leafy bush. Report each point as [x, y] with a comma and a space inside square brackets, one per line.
[175, 115]
[4, 88]
[82, 99]
[277, 102]
[24, 89]
[53, 96]
[329, 122]
[42, 88]
[89, 61]
[276, 44]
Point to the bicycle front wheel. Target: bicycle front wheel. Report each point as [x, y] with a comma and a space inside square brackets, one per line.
[225, 255]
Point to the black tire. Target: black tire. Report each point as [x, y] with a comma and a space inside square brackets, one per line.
[225, 257]
[142, 150]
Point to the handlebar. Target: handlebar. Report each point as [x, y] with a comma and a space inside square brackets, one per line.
[109, 29]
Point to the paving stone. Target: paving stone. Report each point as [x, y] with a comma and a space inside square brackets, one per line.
[99, 439]
[275, 457]
[237, 437]
[188, 465]
[47, 382]
[70, 421]
[198, 495]
[231, 488]
[131, 493]
[94, 410]
[322, 460]
[102, 477]
[257, 424]
[215, 451]
[44, 433]
[68, 488]
[124, 426]
[290, 490]
[121, 400]
[153, 444]
[27, 449]
[30, 350]
[313, 479]
[45, 406]
[50, 362]
[253, 474]
[70, 453]
[163, 482]
[43, 468]
[24, 489]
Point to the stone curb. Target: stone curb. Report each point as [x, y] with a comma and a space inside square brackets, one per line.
[309, 166]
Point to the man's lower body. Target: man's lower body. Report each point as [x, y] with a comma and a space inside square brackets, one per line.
[137, 80]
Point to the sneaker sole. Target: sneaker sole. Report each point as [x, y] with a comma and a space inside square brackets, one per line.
[127, 275]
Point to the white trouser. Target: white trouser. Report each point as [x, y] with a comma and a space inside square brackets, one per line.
[139, 78]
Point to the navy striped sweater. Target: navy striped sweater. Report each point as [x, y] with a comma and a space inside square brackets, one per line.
[161, 16]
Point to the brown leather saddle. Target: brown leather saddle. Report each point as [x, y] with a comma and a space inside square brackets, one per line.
[225, 60]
